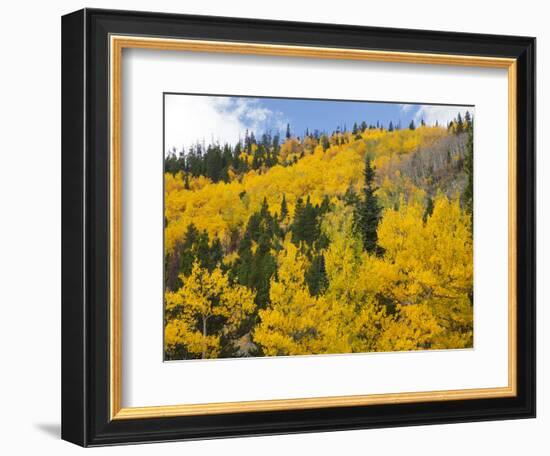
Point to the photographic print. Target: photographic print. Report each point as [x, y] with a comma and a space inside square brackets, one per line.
[311, 226]
[307, 240]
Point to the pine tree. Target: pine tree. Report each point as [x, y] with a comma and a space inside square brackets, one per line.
[264, 211]
[325, 142]
[411, 125]
[274, 228]
[255, 269]
[325, 205]
[429, 209]
[297, 223]
[215, 255]
[390, 128]
[284, 209]
[242, 268]
[459, 124]
[316, 276]
[350, 197]
[263, 268]
[171, 162]
[214, 163]
[368, 212]
[276, 143]
[467, 121]
[288, 134]
[202, 250]
[187, 253]
[309, 223]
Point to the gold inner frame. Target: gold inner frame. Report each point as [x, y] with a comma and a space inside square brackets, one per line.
[117, 44]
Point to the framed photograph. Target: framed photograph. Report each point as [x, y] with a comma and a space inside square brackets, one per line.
[279, 227]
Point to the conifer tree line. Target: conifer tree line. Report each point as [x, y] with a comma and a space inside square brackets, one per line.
[325, 243]
[216, 161]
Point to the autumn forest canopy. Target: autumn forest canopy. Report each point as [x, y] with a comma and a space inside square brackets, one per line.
[357, 240]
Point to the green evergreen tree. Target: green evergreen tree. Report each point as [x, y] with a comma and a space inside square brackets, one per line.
[242, 267]
[297, 223]
[411, 125]
[171, 162]
[284, 209]
[325, 142]
[309, 223]
[255, 270]
[316, 275]
[368, 212]
[264, 267]
[429, 209]
[350, 197]
[214, 163]
[325, 205]
[215, 255]
[305, 225]
[187, 253]
[467, 121]
[264, 210]
[253, 227]
[459, 124]
[202, 250]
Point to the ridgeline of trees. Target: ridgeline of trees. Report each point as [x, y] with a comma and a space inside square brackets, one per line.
[355, 241]
[217, 162]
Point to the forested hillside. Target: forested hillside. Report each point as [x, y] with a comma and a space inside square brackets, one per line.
[354, 241]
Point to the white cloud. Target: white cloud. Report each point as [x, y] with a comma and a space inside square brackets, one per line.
[406, 107]
[191, 118]
[440, 114]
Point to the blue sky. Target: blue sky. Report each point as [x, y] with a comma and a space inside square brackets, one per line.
[328, 115]
[197, 118]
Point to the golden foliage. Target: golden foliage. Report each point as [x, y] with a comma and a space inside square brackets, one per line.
[416, 295]
[202, 296]
[296, 323]
[426, 271]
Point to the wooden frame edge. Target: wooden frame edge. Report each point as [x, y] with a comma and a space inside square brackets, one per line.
[115, 213]
[512, 227]
[308, 403]
[116, 45]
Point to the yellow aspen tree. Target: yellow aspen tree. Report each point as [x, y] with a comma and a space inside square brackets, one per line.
[414, 327]
[432, 267]
[295, 323]
[204, 295]
[354, 281]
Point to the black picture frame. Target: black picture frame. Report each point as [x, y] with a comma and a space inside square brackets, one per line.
[85, 228]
